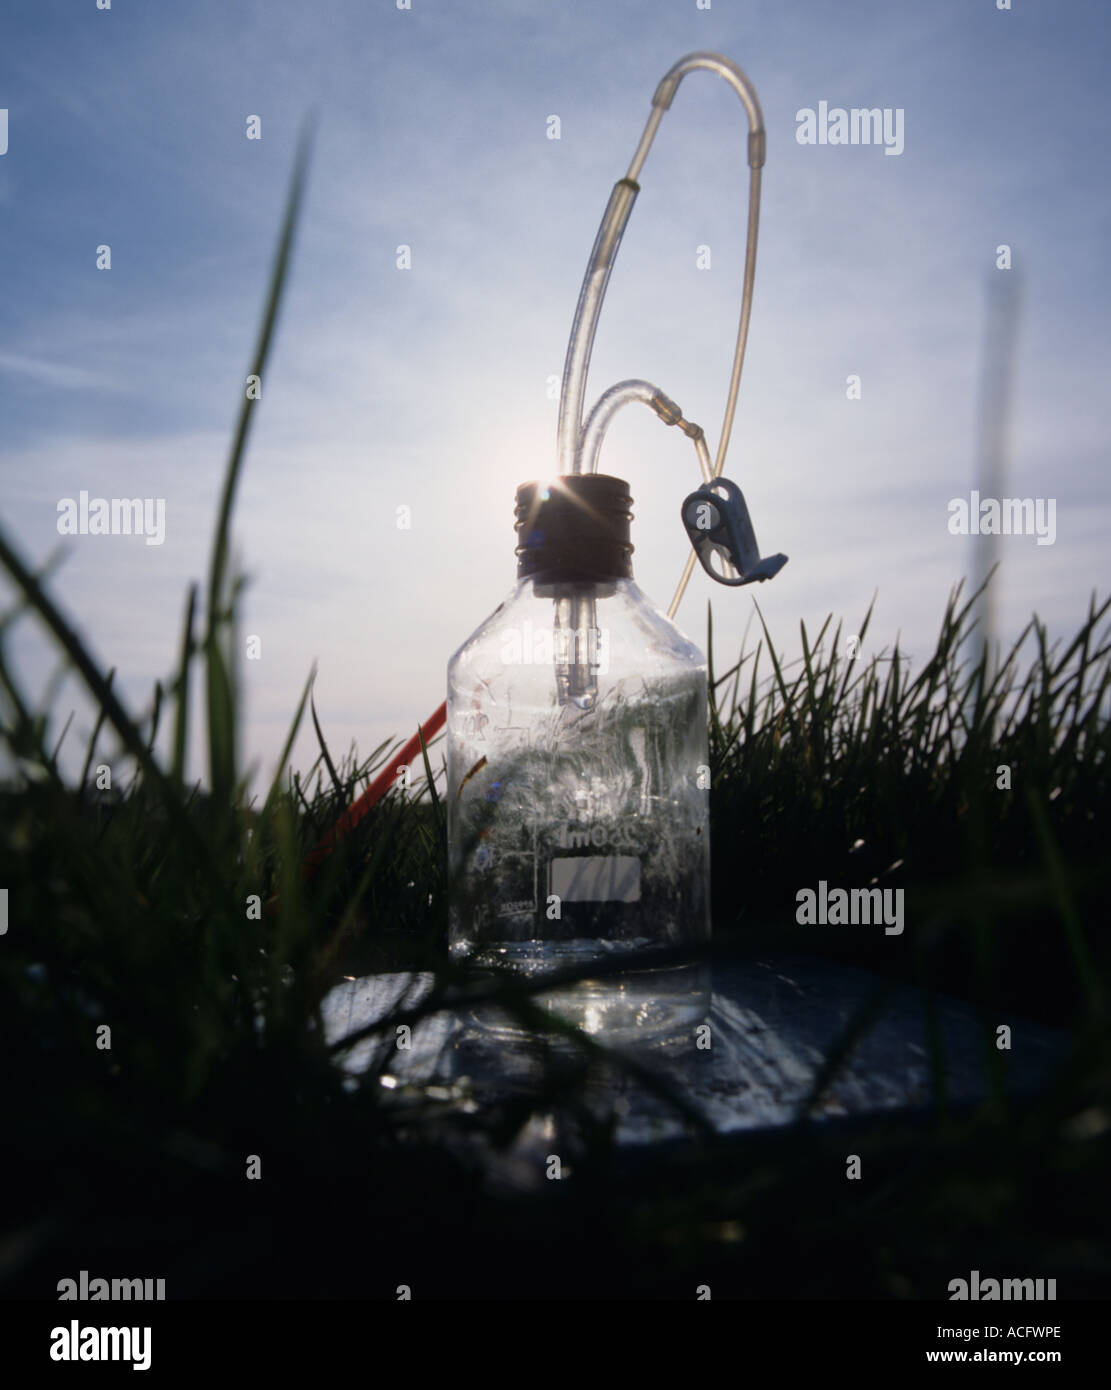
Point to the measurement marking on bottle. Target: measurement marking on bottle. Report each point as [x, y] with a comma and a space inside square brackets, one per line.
[520, 908]
[583, 836]
[613, 878]
[616, 834]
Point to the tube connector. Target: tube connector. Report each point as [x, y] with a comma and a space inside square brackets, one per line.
[757, 149]
[671, 414]
[666, 409]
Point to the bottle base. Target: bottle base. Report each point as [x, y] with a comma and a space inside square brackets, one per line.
[626, 1008]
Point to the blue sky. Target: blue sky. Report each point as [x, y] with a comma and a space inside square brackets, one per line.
[428, 387]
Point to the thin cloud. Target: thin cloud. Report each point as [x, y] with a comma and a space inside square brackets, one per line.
[58, 376]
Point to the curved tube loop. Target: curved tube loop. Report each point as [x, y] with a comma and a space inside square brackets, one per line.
[571, 437]
[626, 393]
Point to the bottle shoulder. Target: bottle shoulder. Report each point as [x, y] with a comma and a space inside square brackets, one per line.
[617, 619]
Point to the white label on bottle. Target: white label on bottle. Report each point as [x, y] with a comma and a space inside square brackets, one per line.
[613, 878]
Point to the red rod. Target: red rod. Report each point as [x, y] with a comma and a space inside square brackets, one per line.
[375, 792]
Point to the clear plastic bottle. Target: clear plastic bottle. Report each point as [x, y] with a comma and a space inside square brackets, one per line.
[578, 820]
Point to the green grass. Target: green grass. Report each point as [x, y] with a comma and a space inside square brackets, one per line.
[131, 908]
[857, 771]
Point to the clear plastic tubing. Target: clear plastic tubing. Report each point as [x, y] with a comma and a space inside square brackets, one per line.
[626, 393]
[578, 447]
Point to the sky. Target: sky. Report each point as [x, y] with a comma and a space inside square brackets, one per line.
[429, 387]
